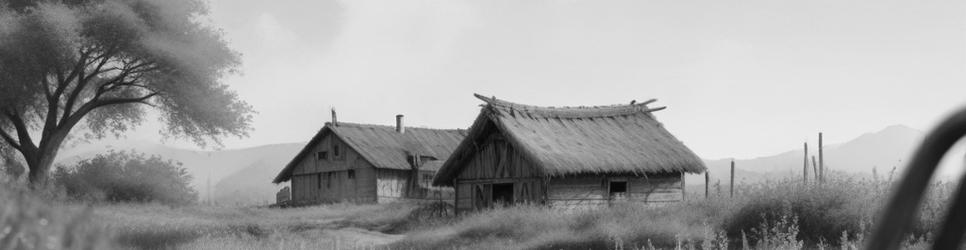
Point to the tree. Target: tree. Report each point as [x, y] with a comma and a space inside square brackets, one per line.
[127, 177]
[101, 64]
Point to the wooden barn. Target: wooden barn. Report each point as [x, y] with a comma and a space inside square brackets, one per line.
[566, 157]
[369, 163]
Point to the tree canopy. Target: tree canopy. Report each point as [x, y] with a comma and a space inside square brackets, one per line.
[102, 63]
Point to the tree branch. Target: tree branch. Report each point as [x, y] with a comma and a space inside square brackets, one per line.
[26, 143]
[115, 101]
[9, 139]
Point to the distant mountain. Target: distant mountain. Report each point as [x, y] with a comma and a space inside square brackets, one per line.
[882, 150]
[249, 186]
[207, 167]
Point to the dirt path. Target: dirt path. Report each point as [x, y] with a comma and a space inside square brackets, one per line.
[362, 236]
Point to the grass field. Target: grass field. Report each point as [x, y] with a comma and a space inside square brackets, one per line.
[775, 215]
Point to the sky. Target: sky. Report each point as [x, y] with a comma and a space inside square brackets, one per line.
[740, 78]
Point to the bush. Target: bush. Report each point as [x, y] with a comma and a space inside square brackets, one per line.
[127, 177]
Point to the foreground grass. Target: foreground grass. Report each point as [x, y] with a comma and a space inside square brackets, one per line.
[776, 215]
[339, 226]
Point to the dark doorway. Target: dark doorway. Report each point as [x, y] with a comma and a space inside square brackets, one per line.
[503, 193]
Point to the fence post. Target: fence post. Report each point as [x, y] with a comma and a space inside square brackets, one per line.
[732, 189]
[707, 187]
[821, 159]
[805, 166]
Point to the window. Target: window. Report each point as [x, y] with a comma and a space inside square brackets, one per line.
[328, 180]
[318, 180]
[352, 174]
[618, 187]
[322, 155]
[335, 151]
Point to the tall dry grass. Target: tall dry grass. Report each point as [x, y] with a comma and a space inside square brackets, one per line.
[781, 214]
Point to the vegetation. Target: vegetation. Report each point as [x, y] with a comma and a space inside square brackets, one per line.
[775, 215]
[28, 222]
[127, 177]
[98, 64]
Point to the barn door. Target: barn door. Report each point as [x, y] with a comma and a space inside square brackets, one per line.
[482, 196]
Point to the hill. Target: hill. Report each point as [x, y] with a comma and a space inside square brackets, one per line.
[881, 150]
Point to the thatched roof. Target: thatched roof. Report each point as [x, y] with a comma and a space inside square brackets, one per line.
[385, 148]
[624, 139]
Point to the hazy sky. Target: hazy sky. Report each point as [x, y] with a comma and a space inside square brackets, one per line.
[740, 78]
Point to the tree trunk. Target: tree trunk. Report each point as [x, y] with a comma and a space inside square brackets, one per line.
[39, 170]
[41, 159]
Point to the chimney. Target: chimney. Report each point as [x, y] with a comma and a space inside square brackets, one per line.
[335, 121]
[399, 124]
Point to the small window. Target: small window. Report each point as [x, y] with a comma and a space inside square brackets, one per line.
[352, 174]
[618, 187]
[322, 155]
[335, 151]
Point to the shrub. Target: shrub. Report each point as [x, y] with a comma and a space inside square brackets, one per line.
[127, 177]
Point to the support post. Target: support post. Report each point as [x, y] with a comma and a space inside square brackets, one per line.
[805, 167]
[684, 191]
[707, 186]
[815, 168]
[821, 159]
[732, 189]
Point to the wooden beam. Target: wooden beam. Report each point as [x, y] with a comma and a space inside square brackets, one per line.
[655, 109]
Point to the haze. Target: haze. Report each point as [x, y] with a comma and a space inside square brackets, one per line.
[740, 79]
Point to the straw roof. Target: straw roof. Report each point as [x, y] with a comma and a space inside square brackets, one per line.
[623, 139]
[385, 148]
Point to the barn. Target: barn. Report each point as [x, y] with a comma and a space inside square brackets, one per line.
[367, 163]
[568, 157]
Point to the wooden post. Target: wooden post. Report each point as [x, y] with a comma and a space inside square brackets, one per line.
[805, 167]
[707, 187]
[684, 192]
[732, 189]
[821, 159]
[815, 168]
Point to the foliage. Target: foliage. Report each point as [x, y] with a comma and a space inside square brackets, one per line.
[127, 177]
[99, 63]
[27, 222]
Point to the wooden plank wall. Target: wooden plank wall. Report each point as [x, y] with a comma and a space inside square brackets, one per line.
[658, 189]
[593, 191]
[496, 161]
[393, 185]
[333, 172]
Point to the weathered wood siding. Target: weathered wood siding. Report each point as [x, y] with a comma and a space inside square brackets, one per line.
[594, 190]
[317, 180]
[496, 162]
[393, 185]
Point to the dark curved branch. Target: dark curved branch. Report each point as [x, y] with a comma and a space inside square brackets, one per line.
[902, 207]
[115, 101]
[23, 135]
[9, 139]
